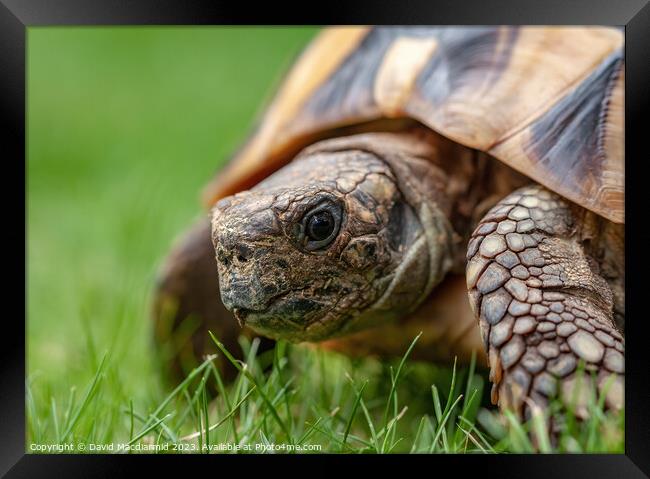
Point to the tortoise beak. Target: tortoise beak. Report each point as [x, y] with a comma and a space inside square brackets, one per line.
[240, 237]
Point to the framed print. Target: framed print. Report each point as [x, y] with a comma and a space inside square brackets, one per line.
[408, 231]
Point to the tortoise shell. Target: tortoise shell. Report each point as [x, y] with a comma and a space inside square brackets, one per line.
[547, 101]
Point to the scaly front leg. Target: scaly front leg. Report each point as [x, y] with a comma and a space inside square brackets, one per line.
[542, 304]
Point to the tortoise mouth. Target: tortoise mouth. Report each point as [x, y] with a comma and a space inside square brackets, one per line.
[289, 317]
[273, 312]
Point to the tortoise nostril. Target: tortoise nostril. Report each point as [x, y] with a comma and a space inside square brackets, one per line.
[222, 257]
[243, 253]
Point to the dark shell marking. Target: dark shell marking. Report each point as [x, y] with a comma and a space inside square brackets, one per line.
[557, 137]
[537, 335]
[349, 92]
[547, 101]
[554, 136]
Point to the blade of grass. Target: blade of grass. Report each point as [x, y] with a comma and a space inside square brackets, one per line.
[86, 400]
[183, 385]
[355, 406]
[71, 403]
[442, 423]
[223, 419]
[468, 434]
[55, 420]
[397, 375]
[170, 434]
[371, 426]
[596, 416]
[417, 434]
[519, 437]
[131, 419]
[540, 429]
[223, 394]
[243, 370]
[204, 401]
[391, 429]
[309, 432]
[33, 415]
[473, 429]
[150, 428]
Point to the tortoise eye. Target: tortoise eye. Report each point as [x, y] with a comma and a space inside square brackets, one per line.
[321, 225]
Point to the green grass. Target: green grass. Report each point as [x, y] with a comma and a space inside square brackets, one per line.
[125, 125]
[295, 399]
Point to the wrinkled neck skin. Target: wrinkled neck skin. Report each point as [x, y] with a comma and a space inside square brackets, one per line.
[394, 242]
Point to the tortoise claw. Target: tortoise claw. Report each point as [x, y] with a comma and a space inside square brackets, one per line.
[542, 307]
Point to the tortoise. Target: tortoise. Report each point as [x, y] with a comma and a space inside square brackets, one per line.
[466, 182]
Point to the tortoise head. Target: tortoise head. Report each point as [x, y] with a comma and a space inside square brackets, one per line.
[325, 246]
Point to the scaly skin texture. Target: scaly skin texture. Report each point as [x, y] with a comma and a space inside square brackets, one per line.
[542, 302]
[392, 246]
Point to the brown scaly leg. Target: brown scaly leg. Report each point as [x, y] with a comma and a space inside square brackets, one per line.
[187, 305]
[542, 303]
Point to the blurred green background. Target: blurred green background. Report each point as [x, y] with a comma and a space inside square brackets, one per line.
[125, 126]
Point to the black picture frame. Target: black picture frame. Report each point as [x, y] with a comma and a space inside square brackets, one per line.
[18, 15]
